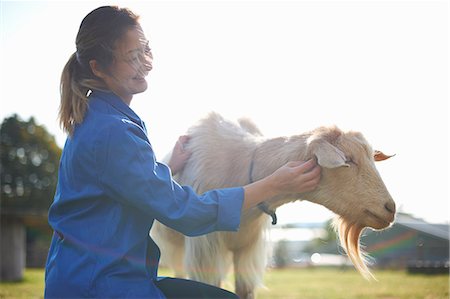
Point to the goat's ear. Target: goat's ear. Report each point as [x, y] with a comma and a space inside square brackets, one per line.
[328, 155]
[380, 156]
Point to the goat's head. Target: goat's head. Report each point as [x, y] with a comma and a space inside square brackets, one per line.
[351, 187]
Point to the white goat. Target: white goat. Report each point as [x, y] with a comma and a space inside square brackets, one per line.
[225, 154]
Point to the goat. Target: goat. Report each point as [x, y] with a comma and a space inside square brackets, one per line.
[227, 154]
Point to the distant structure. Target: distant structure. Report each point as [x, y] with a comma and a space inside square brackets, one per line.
[411, 243]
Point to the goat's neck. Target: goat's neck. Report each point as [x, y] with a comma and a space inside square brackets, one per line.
[273, 153]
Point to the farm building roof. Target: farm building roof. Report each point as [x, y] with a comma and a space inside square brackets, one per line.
[438, 230]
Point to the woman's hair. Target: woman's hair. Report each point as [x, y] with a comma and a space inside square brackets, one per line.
[99, 31]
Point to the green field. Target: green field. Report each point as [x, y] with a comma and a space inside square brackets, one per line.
[311, 283]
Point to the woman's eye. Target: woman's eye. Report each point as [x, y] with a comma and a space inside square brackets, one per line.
[133, 58]
[350, 162]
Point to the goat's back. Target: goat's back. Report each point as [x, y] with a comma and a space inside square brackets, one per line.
[221, 154]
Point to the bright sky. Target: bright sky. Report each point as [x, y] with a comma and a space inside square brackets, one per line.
[378, 67]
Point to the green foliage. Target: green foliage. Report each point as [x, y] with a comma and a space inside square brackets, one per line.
[29, 165]
[281, 257]
[328, 243]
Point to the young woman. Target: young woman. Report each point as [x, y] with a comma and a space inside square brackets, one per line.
[110, 186]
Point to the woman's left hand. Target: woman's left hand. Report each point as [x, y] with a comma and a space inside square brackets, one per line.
[179, 155]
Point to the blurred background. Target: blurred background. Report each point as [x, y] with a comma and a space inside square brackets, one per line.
[378, 67]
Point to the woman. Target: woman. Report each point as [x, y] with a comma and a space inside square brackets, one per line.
[110, 186]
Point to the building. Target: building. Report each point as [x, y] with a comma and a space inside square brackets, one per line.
[410, 243]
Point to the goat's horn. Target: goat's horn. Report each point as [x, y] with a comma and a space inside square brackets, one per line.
[380, 156]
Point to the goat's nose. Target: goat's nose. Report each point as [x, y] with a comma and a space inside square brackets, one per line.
[390, 206]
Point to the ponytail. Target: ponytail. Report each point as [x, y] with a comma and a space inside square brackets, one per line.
[74, 99]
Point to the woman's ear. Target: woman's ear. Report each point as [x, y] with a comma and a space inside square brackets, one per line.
[96, 69]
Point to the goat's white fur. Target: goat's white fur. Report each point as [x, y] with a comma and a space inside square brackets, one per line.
[222, 152]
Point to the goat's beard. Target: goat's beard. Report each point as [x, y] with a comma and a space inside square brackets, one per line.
[349, 236]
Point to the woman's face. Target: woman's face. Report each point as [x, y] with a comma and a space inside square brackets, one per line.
[132, 63]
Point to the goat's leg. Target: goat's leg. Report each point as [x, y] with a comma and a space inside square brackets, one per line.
[249, 265]
[206, 259]
[173, 243]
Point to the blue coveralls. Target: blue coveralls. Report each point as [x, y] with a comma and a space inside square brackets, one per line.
[110, 190]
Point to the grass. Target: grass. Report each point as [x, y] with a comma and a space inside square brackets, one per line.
[316, 283]
[32, 286]
[309, 283]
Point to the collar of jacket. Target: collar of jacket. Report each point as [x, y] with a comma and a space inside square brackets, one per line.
[115, 101]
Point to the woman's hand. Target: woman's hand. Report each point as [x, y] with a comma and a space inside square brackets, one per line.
[293, 177]
[179, 155]
[296, 177]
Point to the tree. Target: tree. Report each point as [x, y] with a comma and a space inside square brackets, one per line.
[328, 243]
[28, 175]
[281, 256]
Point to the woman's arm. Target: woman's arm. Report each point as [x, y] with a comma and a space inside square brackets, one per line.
[294, 177]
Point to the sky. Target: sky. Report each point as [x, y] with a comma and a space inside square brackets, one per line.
[377, 67]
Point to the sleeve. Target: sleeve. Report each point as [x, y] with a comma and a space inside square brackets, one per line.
[130, 174]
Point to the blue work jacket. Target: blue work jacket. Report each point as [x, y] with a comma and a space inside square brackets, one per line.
[110, 190]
